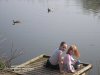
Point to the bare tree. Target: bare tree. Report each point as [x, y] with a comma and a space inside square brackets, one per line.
[7, 60]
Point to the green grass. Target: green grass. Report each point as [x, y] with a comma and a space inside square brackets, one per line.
[2, 65]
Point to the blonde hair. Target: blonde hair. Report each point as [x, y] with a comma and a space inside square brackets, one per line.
[75, 50]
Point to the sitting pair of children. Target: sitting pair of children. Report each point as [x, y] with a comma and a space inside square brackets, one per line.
[68, 63]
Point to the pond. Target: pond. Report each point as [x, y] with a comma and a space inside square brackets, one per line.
[45, 23]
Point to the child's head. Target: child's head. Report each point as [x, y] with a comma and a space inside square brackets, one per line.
[73, 51]
[63, 46]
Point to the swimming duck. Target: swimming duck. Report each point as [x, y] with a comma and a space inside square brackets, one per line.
[15, 22]
[49, 10]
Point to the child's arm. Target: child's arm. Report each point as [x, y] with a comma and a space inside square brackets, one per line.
[60, 61]
[73, 60]
[69, 64]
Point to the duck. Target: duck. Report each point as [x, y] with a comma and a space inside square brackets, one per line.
[16, 22]
[49, 10]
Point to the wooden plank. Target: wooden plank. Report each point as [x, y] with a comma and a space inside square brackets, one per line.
[81, 71]
[36, 67]
[30, 61]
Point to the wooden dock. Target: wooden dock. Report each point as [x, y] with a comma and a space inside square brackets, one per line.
[35, 66]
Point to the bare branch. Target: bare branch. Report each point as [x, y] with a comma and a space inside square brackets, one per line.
[14, 54]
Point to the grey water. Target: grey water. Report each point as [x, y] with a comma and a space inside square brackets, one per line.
[40, 32]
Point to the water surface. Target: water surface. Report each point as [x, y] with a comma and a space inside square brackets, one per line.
[73, 21]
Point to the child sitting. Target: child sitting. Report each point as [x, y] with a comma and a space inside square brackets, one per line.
[69, 62]
[55, 61]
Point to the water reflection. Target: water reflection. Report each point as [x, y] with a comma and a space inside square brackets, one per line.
[91, 6]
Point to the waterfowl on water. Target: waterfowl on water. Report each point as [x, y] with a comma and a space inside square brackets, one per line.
[49, 10]
[16, 22]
